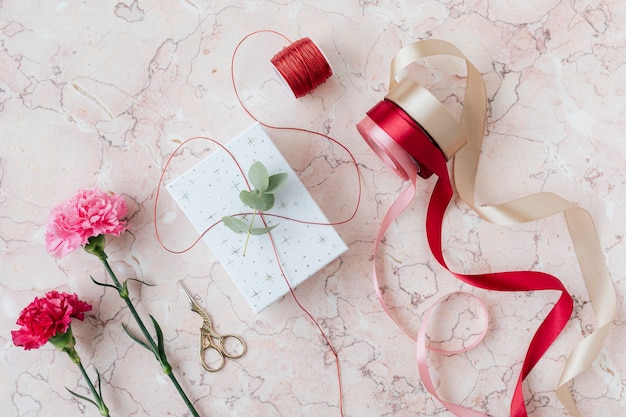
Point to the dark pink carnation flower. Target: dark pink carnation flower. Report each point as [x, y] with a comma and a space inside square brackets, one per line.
[46, 317]
[89, 213]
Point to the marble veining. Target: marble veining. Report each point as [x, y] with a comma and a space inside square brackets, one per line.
[100, 93]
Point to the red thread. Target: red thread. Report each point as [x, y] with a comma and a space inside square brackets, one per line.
[314, 82]
[155, 212]
[303, 66]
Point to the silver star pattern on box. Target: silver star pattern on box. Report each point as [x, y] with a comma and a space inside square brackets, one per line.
[211, 189]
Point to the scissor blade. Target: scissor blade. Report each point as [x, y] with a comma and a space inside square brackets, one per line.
[195, 307]
[192, 303]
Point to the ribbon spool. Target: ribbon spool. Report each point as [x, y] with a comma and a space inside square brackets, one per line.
[412, 132]
[302, 66]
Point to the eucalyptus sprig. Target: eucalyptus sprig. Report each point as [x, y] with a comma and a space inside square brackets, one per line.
[260, 199]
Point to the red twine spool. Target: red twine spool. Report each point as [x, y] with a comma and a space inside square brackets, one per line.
[303, 66]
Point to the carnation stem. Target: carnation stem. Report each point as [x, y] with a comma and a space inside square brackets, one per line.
[159, 351]
[98, 401]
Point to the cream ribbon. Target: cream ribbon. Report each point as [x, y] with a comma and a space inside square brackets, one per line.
[462, 143]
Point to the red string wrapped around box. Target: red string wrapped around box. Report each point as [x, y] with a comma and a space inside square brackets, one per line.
[303, 67]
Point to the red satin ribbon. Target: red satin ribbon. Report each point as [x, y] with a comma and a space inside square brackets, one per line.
[410, 136]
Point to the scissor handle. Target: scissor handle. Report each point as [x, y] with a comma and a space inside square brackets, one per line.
[212, 358]
[232, 346]
[214, 349]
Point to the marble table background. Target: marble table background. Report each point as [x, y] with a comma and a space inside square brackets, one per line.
[100, 93]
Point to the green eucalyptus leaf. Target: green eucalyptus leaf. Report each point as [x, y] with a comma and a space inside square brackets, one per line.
[276, 181]
[234, 224]
[261, 230]
[251, 199]
[257, 201]
[258, 176]
[267, 202]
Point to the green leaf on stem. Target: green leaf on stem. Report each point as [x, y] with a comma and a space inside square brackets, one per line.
[261, 230]
[139, 281]
[99, 381]
[167, 368]
[257, 201]
[149, 343]
[261, 199]
[103, 284]
[159, 334]
[258, 176]
[137, 340]
[82, 397]
[276, 181]
[235, 224]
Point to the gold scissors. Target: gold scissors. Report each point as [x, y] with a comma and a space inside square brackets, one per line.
[214, 348]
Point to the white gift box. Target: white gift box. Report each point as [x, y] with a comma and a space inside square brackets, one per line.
[210, 190]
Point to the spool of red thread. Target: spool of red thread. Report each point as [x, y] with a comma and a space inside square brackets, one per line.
[302, 66]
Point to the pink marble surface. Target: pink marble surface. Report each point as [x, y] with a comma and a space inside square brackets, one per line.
[101, 93]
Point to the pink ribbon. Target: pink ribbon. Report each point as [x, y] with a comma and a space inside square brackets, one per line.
[401, 142]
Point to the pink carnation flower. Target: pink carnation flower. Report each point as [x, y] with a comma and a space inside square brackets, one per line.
[46, 317]
[89, 213]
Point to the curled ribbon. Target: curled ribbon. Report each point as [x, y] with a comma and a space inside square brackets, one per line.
[422, 356]
[415, 135]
